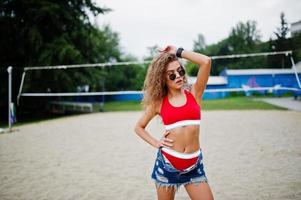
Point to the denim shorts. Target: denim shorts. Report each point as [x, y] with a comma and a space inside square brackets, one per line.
[164, 174]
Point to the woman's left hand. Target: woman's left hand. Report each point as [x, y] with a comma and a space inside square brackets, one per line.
[168, 49]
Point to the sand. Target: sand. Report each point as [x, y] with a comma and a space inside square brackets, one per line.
[247, 155]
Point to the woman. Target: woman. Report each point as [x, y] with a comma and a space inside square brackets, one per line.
[179, 157]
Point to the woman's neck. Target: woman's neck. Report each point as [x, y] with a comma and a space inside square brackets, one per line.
[174, 93]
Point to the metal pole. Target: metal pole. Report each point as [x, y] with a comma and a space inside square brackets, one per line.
[296, 72]
[21, 87]
[9, 70]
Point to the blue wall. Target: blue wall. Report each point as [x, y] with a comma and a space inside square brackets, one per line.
[215, 95]
[234, 81]
[265, 80]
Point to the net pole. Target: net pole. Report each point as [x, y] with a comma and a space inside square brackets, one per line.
[295, 70]
[9, 70]
[21, 87]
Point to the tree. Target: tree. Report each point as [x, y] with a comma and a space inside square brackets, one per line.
[282, 31]
[152, 52]
[243, 38]
[199, 44]
[46, 32]
[281, 43]
[295, 45]
[31, 27]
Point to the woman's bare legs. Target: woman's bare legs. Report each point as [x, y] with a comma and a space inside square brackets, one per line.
[200, 191]
[166, 193]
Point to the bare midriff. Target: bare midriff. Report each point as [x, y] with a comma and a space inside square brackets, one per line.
[185, 138]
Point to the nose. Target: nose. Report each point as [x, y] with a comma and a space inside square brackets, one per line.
[178, 75]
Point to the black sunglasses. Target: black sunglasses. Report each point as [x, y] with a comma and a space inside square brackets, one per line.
[181, 72]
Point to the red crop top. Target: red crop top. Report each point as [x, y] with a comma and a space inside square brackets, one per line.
[188, 114]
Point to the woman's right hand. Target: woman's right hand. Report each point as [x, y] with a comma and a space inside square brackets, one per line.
[165, 142]
[168, 49]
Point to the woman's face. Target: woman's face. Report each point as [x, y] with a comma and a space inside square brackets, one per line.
[174, 71]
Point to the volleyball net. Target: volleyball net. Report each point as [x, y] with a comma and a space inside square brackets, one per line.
[80, 66]
[102, 92]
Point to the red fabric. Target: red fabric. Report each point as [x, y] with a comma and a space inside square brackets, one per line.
[190, 111]
[180, 163]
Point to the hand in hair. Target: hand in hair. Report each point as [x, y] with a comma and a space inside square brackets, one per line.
[168, 49]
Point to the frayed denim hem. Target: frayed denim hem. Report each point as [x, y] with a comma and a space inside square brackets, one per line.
[176, 186]
[197, 181]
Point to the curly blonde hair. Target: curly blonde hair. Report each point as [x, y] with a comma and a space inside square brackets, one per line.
[155, 88]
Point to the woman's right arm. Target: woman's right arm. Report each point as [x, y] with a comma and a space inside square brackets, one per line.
[141, 132]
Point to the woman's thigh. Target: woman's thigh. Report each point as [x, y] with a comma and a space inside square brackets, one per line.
[165, 193]
[199, 191]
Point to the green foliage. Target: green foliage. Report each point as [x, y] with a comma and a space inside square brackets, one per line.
[295, 45]
[282, 31]
[199, 44]
[122, 106]
[192, 69]
[44, 32]
[245, 38]
[127, 77]
[124, 78]
[281, 43]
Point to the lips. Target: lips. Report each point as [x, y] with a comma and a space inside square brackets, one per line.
[179, 81]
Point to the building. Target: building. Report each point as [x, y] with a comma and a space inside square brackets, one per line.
[264, 78]
[295, 28]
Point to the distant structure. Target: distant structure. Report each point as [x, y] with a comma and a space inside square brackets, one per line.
[295, 28]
